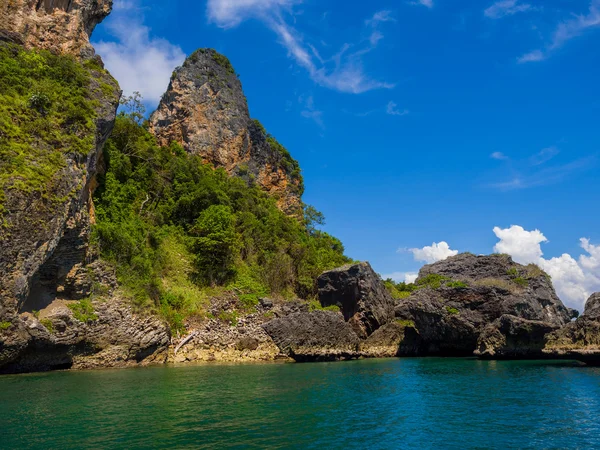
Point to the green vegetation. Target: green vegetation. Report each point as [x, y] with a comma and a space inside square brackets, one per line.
[224, 62]
[47, 323]
[452, 311]
[499, 283]
[180, 232]
[433, 281]
[5, 326]
[399, 290]
[83, 310]
[46, 112]
[315, 305]
[406, 323]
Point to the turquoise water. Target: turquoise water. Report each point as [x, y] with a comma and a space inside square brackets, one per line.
[375, 404]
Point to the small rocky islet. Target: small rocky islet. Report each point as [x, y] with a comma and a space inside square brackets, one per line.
[486, 306]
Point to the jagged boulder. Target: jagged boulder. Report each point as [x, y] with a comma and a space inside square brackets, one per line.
[462, 296]
[580, 339]
[393, 339]
[314, 336]
[108, 333]
[205, 110]
[513, 337]
[360, 294]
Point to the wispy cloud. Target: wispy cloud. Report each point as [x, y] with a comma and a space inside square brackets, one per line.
[392, 110]
[309, 110]
[505, 8]
[344, 71]
[544, 156]
[534, 171]
[499, 156]
[426, 3]
[138, 60]
[565, 31]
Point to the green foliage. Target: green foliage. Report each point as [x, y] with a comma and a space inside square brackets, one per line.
[216, 244]
[315, 305]
[517, 278]
[83, 310]
[457, 284]
[46, 112]
[230, 317]
[406, 323]
[399, 290]
[223, 61]
[47, 323]
[512, 272]
[433, 281]
[452, 311]
[175, 228]
[520, 281]
[5, 326]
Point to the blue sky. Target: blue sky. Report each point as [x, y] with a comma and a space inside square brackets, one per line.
[415, 122]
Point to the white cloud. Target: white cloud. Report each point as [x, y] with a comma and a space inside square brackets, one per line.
[565, 31]
[574, 279]
[534, 56]
[499, 156]
[544, 156]
[435, 252]
[523, 246]
[426, 3]
[343, 72]
[392, 110]
[137, 60]
[505, 8]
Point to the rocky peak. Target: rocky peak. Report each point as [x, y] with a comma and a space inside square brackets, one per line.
[63, 26]
[205, 111]
[592, 306]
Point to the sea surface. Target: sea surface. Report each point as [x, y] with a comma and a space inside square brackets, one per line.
[424, 403]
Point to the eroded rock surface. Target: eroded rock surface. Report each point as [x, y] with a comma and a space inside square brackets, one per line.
[580, 339]
[205, 111]
[450, 313]
[314, 336]
[58, 25]
[360, 294]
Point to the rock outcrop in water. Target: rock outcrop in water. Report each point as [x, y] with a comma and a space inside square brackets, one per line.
[467, 295]
[580, 339]
[361, 296]
[205, 111]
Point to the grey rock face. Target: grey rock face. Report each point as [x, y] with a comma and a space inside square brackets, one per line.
[513, 338]
[114, 336]
[361, 296]
[579, 340]
[392, 339]
[205, 110]
[314, 336]
[451, 316]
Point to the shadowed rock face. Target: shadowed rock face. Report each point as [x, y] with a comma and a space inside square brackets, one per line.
[205, 111]
[451, 316]
[361, 296]
[63, 26]
[314, 336]
[580, 339]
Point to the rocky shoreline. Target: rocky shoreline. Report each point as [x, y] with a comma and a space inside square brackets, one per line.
[61, 306]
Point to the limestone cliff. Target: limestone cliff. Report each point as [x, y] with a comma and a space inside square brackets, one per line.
[58, 25]
[58, 109]
[205, 110]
